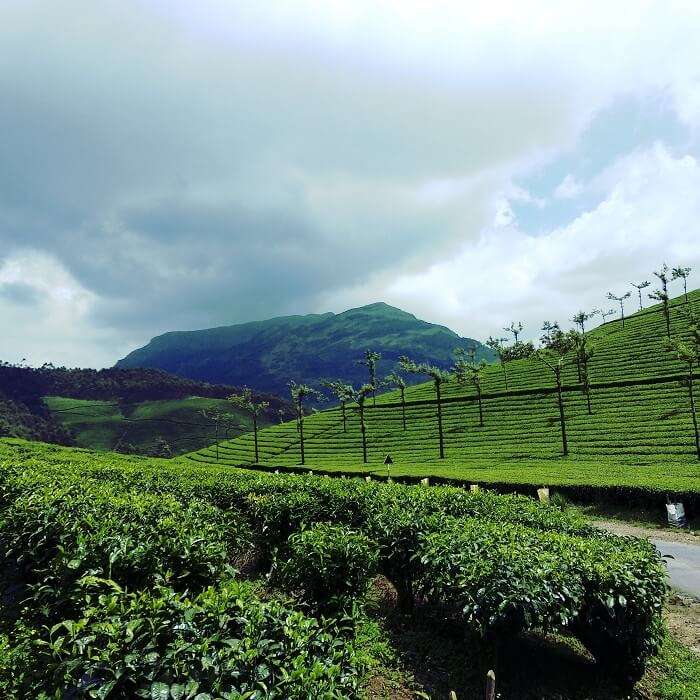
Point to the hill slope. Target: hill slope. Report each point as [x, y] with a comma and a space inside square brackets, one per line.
[266, 355]
[640, 433]
[131, 410]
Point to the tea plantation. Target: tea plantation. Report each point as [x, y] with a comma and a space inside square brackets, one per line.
[638, 442]
[130, 577]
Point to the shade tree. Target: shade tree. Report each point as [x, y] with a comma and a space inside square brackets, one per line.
[605, 314]
[344, 393]
[682, 273]
[370, 360]
[621, 301]
[515, 329]
[395, 380]
[501, 349]
[583, 351]
[467, 371]
[661, 294]
[360, 397]
[439, 377]
[246, 402]
[639, 286]
[300, 393]
[554, 357]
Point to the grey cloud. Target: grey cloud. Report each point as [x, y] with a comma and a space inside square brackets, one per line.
[19, 293]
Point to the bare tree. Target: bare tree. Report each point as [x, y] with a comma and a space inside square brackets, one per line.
[639, 286]
[439, 377]
[661, 295]
[621, 301]
[553, 356]
[299, 393]
[516, 330]
[247, 403]
[682, 273]
[499, 347]
[344, 393]
[370, 361]
[395, 380]
[467, 370]
[689, 353]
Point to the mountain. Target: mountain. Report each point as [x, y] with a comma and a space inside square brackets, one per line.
[266, 355]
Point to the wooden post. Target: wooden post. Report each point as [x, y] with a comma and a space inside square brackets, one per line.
[543, 494]
[490, 686]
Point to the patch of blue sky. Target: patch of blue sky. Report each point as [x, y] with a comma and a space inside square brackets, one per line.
[631, 123]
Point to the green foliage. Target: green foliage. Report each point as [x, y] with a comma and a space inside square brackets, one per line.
[328, 565]
[496, 563]
[221, 643]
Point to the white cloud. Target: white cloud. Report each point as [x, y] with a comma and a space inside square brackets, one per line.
[568, 188]
[648, 216]
[46, 315]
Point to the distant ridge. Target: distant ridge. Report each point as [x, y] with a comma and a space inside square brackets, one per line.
[266, 355]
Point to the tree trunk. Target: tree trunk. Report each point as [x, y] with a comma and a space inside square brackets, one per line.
[562, 419]
[481, 409]
[640, 299]
[693, 411]
[255, 438]
[588, 399]
[300, 413]
[667, 318]
[217, 442]
[345, 425]
[403, 407]
[622, 314]
[363, 430]
[505, 373]
[439, 417]
[685, 289]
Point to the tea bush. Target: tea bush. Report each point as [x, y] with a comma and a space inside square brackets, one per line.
[329, 566]
[222, 643]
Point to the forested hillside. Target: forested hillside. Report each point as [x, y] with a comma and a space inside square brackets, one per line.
[266, 355]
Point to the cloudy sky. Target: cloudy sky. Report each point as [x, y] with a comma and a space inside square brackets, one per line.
[169, 164]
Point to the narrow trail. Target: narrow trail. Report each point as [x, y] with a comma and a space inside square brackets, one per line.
[682, 549]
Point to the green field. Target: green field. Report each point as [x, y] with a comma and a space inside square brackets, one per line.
[110, 425]
[640, 435]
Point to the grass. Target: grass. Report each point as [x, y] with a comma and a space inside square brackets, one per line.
[107, 425]
[638, 438]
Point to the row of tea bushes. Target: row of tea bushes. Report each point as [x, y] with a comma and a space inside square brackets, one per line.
[496, 564]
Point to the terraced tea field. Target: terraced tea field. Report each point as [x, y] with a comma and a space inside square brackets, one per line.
[640, 434]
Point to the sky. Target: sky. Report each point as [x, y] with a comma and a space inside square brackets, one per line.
[173, 165]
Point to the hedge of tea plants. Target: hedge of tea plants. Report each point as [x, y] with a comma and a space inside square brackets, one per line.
[126, 575]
